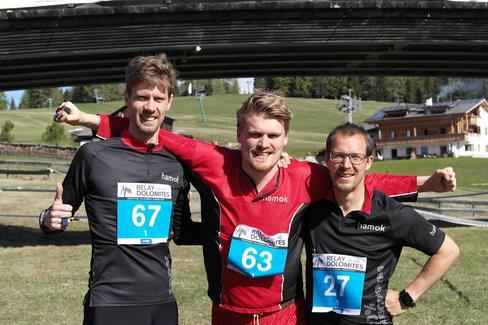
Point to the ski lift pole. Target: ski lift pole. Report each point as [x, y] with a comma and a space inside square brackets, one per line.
[202, 108]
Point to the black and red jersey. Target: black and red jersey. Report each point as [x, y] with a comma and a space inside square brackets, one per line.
[252, 246]
[351, 258]
[111, 176]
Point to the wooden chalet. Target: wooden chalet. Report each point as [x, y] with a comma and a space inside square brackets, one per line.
[456, 129]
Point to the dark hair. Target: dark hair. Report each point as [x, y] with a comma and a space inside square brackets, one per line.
[348, 129]
[268, 103]
[153, 70]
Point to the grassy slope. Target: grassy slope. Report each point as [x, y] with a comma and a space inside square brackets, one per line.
[313, 119]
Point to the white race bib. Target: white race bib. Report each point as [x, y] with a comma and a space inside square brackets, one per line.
[143, 213]
[338, 282]
[256, 254]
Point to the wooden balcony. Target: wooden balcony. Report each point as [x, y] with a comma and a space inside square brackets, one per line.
[427, 139]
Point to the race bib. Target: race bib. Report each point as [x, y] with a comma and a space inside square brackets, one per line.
[338, 282]
[255, 254]
[143, 213]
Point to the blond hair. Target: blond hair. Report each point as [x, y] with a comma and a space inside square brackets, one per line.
[270, 104]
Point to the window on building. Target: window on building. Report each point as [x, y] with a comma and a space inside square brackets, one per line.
[424, 150]
[392, 135]
[468, 147]
[393, 153]
[486, 131]
[409, 133]
[443, 131]
[425, 132]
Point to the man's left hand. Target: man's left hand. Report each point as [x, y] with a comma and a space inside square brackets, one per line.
[285, 160]
[393, 304]
[443, 180]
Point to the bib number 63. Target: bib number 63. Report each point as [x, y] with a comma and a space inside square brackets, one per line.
[249, 260]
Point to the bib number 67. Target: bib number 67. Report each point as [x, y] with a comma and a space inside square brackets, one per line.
[249, 259]
[139, 218]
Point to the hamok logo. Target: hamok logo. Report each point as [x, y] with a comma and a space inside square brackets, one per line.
[174, 179]
[365, 226]
[276, 199]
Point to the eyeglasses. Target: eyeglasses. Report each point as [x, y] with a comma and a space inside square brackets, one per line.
[355, 158]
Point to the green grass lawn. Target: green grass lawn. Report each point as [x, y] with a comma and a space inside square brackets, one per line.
[44, 278]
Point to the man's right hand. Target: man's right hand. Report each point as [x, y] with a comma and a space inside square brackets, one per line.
[59, 212]
[69, 113]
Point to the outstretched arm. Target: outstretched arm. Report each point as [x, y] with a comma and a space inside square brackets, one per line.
[435, 267]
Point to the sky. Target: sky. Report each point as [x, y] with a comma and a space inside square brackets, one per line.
[246, 86]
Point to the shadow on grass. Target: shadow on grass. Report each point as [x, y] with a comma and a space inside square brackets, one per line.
[21, 236]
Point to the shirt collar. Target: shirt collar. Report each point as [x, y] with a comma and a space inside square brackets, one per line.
[139, 145]
[368, 196]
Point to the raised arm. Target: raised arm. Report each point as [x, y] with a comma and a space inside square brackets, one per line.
[435, 267]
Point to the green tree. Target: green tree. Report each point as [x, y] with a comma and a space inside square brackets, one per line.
[41, 97]
[67, 94]
[5, 134]
[24, 100]
[54, 133]
[111, 92]
[82, 94]
[231, 86]
[283, 84]
[218, 87]
[301, 87]
[3, 101]
[260, 83]
[12, 103]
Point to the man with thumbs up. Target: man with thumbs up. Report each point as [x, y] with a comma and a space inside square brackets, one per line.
[136, 200]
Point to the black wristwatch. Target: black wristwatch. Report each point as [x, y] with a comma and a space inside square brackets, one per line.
[43, 228]
[406, 299]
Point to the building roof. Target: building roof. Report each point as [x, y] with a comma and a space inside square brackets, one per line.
[459, 106]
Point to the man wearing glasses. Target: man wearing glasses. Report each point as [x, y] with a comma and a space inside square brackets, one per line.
[354, 238]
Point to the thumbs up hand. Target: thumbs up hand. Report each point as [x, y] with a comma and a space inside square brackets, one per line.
[59, 215]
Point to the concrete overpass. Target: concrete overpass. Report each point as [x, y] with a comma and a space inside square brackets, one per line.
[67, 45]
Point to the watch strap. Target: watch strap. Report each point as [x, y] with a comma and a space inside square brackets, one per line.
[406, 299]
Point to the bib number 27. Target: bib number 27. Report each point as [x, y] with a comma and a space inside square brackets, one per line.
[332, 284]
[250, 261]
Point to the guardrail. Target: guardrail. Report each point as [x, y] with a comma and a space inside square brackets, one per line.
[457, 206]
[45, 172]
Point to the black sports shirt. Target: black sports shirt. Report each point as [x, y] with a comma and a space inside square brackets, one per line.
[351, 258]
[109, 176]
